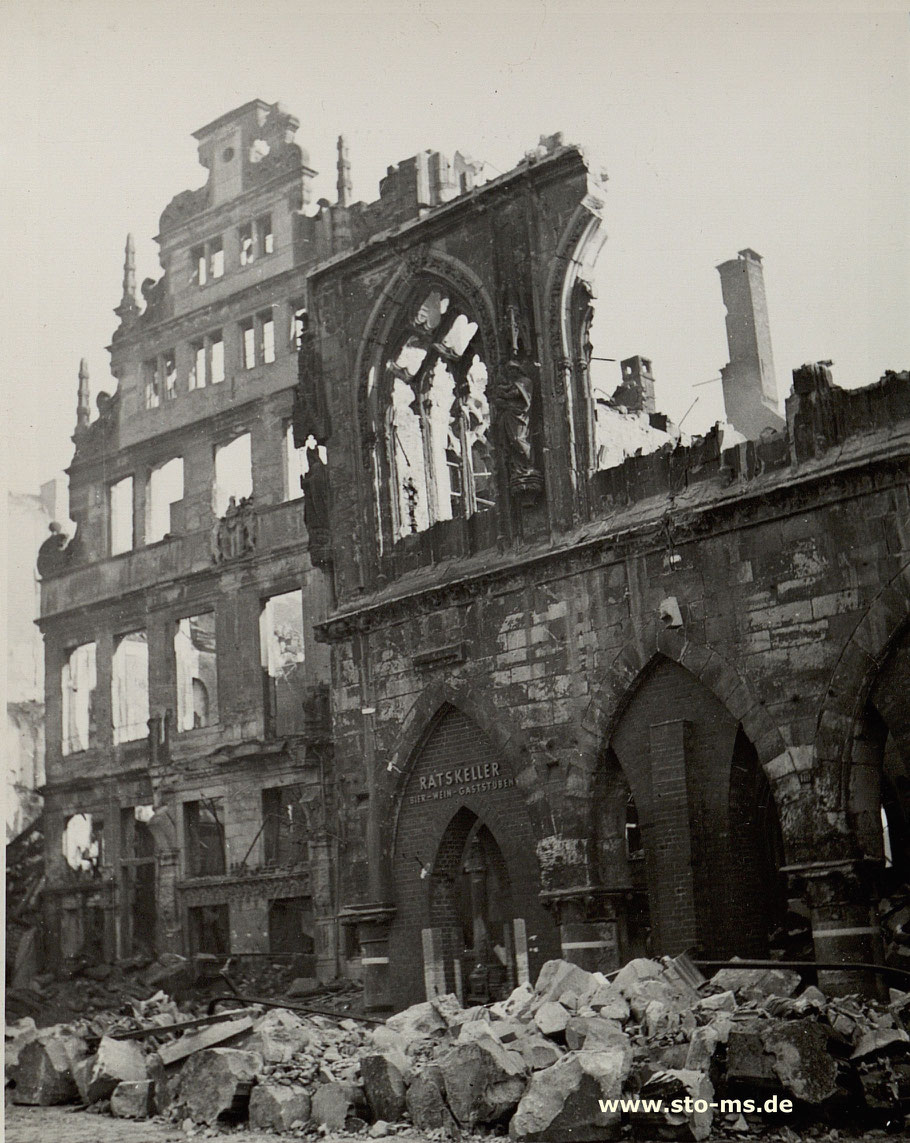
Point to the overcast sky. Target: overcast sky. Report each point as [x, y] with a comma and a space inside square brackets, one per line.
[781, 127]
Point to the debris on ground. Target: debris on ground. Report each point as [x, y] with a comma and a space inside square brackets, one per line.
[543, 1064]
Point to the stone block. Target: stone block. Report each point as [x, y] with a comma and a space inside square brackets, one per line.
[116, 1061]
[757, 983]
[562, 1102]
[609, 1001]
[133, 1099]
[215, 1084]
[537, 1052]
[593, 1033]
[277, 1036]
[557, 977]
[719, 1002]
[747, 1061]
[192, 1042]
[483, 1082]
[276, 1107]
[551, 1019]
[336, 1105]
[630, 976]
[426, 1103]
[384, 1087]
[419, 1020]
[673, 1121]
[802, 1061]
[16, 1037]
[44, 1074]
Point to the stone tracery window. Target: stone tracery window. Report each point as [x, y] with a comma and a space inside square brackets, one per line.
[438, 429]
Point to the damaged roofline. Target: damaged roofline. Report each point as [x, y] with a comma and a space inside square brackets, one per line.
[365, 614]
[470, 200]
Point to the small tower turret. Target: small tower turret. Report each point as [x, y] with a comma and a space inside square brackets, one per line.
[83, 408]
[129, 307]
[344, 172]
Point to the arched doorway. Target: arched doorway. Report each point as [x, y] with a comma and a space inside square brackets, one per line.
[465, 871]
[471, 905]
[685, 819]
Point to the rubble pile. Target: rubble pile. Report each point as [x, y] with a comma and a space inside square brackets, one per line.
[99, 988]
[545, 1064]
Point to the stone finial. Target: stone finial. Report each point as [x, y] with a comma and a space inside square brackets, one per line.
[83, 408]
[129, 270]
[344, 172]
[128, 307]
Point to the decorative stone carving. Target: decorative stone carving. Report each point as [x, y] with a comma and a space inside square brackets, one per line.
[511, 396]
[316, 507]
[55, 554]
[236, 533]
[183, 206]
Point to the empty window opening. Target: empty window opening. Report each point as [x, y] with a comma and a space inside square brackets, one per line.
[120, 499]
[164, 491]
[209, 930]
[281, 643]
[82, 843]
[233, 473]
[79, 680]
[216, 258]
[203, 827]
[130, 687]
[199, 273]
[169, 360]
[299, 323]
[216, 358]
[136, 839]
[197, 377]
[152, 383]
[634, 845]
[291, 927]
[257, 336]
[267, 338]
[284, 834]
[248, 333]
[264, 234]
[247, 249]
[195, 652]
[438, 420]
[407, 450]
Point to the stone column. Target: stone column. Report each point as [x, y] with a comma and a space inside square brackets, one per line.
[845, 930]
[373, 923]
[321, 866]
[589, 929]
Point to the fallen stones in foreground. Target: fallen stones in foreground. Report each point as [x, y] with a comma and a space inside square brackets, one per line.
[216, 1084]
[546, 1063]
[563, 1101]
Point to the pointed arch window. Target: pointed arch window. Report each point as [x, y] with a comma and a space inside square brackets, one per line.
[438, 429]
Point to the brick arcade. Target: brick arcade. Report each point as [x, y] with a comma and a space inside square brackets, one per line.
[557, 683]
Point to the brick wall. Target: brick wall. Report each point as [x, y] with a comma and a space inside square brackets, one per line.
[456, 743]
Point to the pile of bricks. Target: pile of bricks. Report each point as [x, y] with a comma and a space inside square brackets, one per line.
[749, 1052]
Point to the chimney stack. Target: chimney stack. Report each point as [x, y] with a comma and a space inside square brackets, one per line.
[750, 386]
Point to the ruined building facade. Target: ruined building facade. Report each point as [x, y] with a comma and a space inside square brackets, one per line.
[565, 685]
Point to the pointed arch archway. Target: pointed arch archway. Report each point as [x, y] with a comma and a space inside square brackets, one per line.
[462, 821]
[702, 817]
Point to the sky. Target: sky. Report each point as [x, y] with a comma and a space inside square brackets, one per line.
[782, 127]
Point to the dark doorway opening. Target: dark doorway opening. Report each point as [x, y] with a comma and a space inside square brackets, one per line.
[471, 903]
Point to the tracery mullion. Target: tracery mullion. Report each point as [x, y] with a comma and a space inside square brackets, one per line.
[442, 331]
